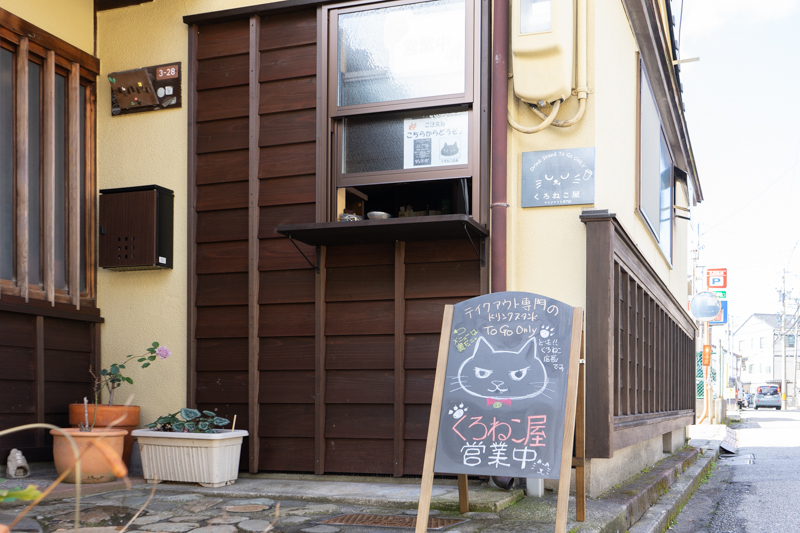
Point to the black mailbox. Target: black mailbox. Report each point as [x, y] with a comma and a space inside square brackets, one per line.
[136, 228]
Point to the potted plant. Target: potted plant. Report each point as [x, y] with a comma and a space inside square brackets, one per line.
[86, 416]
[191, 448]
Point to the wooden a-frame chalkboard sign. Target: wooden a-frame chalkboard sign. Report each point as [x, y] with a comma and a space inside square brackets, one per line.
[505, 395]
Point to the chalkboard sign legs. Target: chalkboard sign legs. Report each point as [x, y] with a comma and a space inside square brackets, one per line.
[569, 420]
[433, 427]
[580, 440]
[463, 494]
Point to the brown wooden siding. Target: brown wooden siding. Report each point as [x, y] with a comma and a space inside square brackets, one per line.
[221, 287]
[353, 394]
[45, 364]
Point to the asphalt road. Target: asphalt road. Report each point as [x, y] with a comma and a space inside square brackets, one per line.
[757, 491]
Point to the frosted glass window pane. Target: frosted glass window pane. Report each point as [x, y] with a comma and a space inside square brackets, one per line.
[60, 217]
[375, 143]
[34, 190]
[82, 181]
[6, 165]
[665, 196]
[650, 157]
[396, 53]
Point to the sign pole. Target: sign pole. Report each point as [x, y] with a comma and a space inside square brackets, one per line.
[423, 509]
[569, 420]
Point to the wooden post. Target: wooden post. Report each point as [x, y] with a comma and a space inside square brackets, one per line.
[463, 494]
[569, 420]
[433, 425]
[580, 439]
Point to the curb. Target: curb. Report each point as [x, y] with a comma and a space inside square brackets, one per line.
[659, 516]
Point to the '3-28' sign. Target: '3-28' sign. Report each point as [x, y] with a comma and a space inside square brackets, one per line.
[717, 278]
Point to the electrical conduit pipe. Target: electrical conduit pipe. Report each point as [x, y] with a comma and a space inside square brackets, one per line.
[582, 89]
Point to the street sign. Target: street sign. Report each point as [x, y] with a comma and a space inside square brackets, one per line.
[722, 316]
[722, 295]
[705, 306]
[717, 278]
[706, 355]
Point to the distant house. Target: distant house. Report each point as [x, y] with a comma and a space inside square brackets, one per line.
[760, 344]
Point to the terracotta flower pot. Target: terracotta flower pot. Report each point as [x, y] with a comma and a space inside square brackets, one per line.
[95, 468]
[106, 414]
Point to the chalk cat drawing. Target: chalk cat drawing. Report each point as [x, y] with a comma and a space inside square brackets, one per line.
[501, 376]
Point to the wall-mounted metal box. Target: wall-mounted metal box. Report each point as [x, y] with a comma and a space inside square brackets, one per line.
[136, 228]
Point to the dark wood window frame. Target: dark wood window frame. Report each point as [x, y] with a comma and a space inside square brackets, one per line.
[642, 82]
[29, 43]
[330, 115]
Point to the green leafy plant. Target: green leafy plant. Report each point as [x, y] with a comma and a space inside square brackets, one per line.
[31, 492]
[111, 378]
[190, 421]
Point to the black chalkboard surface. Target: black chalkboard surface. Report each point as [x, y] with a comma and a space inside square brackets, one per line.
[505, 392]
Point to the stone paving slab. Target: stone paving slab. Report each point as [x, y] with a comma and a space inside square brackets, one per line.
[301, 503]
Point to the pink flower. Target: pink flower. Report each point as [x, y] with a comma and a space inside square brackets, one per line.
[163, 352]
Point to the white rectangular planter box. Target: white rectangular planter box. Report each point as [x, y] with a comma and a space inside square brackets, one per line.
[210, 459]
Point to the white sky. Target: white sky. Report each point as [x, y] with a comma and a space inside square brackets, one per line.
[743, 114]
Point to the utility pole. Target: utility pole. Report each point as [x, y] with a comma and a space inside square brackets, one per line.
[794, 379]
[783, 341]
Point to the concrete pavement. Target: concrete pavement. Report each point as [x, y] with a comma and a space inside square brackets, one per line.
[251, 504]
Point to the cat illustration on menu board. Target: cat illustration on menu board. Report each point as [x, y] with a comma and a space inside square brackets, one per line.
[502, 376]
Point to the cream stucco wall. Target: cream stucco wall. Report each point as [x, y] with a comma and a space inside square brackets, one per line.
[69, 20]
[142, 149]
[547, 245]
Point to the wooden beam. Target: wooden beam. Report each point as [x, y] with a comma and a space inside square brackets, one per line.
[40, 399]
[399, 355]
[73, 186]
[49, 172]
[319, 364]
[580, 439]
[28, 31]
[600, 298]
[191, 225]
[569, 420]
[252, 238]
[105, 5]
[90, 190]
[426, 486]
[21, 157]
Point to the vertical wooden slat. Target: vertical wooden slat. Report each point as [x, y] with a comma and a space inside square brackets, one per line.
[73, 171]
[191, 226]
[21, 166]
[601, 334]
[39, 357]
[319, 370]
[90, 190]
[643, 350]
[323, 135]
[399, 354]
[634, 348]
[49, 172]
[252, 238]
[626, 343]
[650, 363]
[617, 325]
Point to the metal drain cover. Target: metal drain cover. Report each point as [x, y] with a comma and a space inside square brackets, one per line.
[737, 460]
[383, 520]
